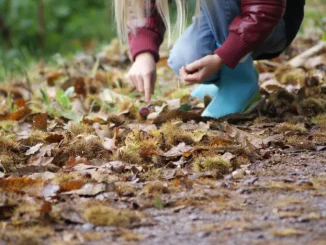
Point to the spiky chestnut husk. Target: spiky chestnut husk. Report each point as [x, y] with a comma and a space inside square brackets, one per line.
[284, 127]
[34, 138]
[116, 119]
[129, 107]
[7, 144]
[155, 188]
[90, 149]
[217, 164]
[311, 106]
[320, 120]
[152, 174]
[173, 135]
[81, 128]
[103, 216]
[125, 189]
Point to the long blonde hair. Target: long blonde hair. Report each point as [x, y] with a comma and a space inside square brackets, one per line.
[136, 11]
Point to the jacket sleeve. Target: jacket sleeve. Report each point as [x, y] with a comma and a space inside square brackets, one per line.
[148, 37]
[250, 29]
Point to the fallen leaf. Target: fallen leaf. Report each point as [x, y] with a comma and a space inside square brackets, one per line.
[178, 150]
[40, 121]
[88, 190]
[34, 149]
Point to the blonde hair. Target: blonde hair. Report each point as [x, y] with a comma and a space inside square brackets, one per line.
[130, 14]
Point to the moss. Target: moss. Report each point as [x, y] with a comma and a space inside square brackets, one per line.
[81, 128]
[106, 216]
[217, 164]
[284, 127]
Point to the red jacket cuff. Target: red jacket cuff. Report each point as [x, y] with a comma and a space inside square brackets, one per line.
[144, 40]
[232, 50]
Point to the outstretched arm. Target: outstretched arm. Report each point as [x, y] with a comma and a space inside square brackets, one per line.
[144, 48]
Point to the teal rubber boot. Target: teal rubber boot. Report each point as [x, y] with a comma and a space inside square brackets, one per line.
[205, 89]
[237, 90]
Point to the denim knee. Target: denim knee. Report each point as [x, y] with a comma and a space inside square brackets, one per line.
[181, 55]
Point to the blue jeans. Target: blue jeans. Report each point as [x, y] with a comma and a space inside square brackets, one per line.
[210, 30]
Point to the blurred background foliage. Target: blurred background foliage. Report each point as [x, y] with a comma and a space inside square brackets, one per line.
[31, 29]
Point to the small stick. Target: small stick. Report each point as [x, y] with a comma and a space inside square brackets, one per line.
[300, 59]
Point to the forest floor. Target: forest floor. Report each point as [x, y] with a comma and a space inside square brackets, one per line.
[83, 159]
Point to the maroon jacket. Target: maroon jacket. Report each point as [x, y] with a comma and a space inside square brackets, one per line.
[248, 30]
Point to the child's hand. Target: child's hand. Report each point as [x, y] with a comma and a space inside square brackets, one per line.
[200, 70]
[142, 74]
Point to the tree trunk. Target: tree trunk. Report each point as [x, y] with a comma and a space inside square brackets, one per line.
[4, 29]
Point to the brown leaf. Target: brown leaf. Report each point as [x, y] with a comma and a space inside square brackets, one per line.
[51, 78]
[17, 184]
[80, 87]
[21, 113]
[40, 121]
[20, 102]
[71, 185]
[54, 138]
[45, 209]
[73, 161]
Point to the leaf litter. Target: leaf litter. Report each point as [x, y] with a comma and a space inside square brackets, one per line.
[83, 158]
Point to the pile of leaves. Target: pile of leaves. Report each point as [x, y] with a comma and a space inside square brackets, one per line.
[83, 158]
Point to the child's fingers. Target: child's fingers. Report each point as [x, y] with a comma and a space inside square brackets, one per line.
[132, 81]
[194, 66]
[153, 80]
[190, 79]
[140, 83]
[148, 87]
[182, 73]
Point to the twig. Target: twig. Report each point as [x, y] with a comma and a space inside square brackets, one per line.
[302, 58]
